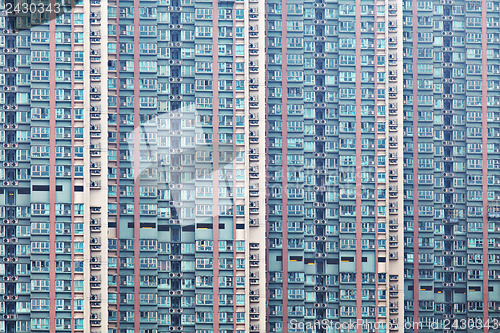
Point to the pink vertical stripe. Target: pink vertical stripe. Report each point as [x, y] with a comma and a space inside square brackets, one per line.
[118, 210]
[234, 165]
[484, 119]
[137, 168]
[267, 169]
[52, 172]
[72, 174]
[215, 155]
[375, 112]
[284, 152]
[358, 164]
[416, 281]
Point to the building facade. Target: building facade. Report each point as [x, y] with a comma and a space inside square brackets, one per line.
[250, 166]
[451, 140]
[128, 131]
[335, 208]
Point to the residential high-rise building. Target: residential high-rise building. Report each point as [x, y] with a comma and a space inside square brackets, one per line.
[335, 202]
[451, 92]
[250, 166]
[129, 128]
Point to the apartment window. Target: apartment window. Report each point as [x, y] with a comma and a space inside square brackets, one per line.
[240, 263]
[203, 31]
[240, 281]
[204, 299]
[78, 266]
[203, 13]
[203, 49]
[148, 66]
[205, 263]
